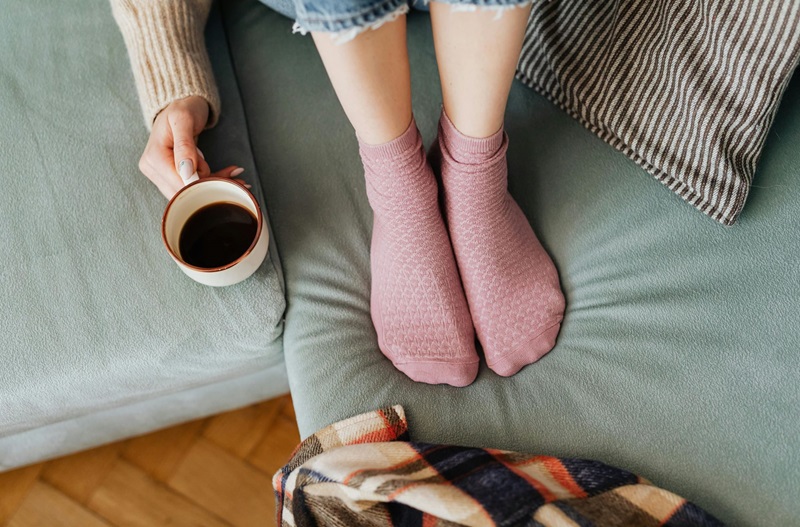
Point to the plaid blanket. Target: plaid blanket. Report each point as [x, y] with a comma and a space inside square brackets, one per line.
[365, 472]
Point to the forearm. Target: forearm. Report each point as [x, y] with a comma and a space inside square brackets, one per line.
[167, 52]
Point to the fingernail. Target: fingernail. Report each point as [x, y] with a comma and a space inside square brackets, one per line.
[237, 172]
[186, 169]
[200, 152]
[193, 177]
[246, 185]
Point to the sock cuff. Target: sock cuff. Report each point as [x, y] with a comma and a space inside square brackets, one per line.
[464, 144]
[399, 145]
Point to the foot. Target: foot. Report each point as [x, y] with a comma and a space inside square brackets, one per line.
[510, 282]
[417, 303]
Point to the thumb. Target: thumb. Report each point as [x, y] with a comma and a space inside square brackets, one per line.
[184, 148]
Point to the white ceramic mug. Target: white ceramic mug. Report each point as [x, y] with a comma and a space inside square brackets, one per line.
[194, 197]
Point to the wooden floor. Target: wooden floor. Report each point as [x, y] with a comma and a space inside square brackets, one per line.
[212, 472]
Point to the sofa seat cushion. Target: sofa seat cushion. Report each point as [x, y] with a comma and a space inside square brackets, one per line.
[95, 315]
[678, 356]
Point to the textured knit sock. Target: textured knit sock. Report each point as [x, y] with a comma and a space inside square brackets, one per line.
[510, 281]
[418, 305]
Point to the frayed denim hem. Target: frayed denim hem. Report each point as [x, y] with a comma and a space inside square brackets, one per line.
[345, 30]
[500, 7]
[345, 27]
[475, 5]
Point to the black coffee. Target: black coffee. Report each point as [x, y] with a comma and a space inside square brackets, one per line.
[217, 235]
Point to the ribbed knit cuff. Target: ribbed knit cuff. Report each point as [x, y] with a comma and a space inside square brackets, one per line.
[463, 146]
[397, 146]
[167, 52]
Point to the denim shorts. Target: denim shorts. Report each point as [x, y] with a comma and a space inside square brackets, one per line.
[349, 17]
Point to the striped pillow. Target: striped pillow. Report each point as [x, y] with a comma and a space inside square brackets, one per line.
[686, 88]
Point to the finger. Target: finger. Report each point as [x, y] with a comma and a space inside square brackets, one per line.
[229, 172]
[183, 145]
[168, 185]
[203, 170]
[167, 190]
[161, 170]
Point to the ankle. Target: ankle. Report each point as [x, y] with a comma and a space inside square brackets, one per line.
[398, 176]
[470, 150]
[401, 145]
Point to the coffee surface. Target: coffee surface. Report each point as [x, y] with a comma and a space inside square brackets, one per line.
[217, 235]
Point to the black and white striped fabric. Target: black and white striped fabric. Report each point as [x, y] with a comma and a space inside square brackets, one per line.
[686, 88]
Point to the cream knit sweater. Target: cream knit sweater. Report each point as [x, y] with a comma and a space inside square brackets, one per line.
[167, 51]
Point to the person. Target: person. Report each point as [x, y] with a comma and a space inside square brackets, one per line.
[440, 274]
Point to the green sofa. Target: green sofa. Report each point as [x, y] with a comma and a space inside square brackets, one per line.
[678, 357]
[103, 336]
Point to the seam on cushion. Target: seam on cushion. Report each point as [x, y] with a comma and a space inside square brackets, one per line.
[275, 260]
[239, 372]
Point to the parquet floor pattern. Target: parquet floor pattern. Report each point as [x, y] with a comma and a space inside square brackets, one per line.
[212, 472]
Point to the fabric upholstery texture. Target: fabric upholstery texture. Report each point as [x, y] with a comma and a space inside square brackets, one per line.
[687, 89]
[677, 359]
[96, 316]
[137, 417]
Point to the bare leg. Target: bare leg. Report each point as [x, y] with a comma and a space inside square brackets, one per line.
[477, 55]
[371, 77]
[511, 283]
[417, 303]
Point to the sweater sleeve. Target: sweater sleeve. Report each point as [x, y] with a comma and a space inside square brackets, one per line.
[167, 52]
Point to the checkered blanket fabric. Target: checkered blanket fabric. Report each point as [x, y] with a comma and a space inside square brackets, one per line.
[364, 471]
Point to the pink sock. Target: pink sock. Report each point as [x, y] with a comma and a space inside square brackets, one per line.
[417, 304]
[510, 281]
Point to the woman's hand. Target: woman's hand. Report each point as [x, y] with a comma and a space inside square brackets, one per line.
[171, 156]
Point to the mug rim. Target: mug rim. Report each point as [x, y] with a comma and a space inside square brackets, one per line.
[259, 220]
